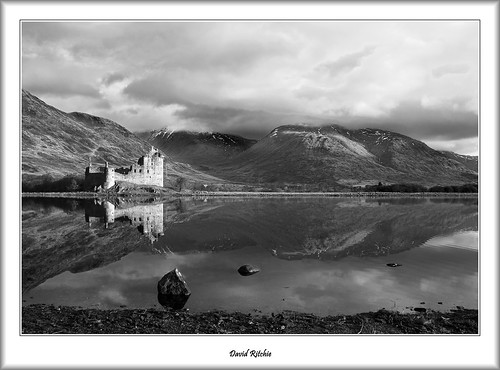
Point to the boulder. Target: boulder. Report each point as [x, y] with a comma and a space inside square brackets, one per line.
[247, 270]
[173, 291]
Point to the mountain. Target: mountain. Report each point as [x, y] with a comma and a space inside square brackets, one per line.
[333, 156]
[469, 161]
[200, 149]
[59, 143]
[56, 144]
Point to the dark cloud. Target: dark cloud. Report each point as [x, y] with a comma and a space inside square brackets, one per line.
[159, 90]
[111, 78]
[247, 123]
[252, 124]
[408, 118]
[61, 88]
[250, 77]
[102, 104]
[345, 63]
[412, 119]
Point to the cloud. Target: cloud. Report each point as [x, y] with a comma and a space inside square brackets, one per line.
[424, 123]
[450, 69]
[345, 63]
[249, 77]
[157, 89]
[41, 78]
[111, 78]
[468, 146]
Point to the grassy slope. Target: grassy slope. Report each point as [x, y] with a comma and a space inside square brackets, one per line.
[57, 143]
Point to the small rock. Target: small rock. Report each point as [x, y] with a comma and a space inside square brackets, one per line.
[173, 291]
[247, 270]
[394, 264]
[440, 302]
[420, 309]
[422, 302]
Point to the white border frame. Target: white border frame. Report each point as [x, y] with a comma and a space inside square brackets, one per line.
[287, 351]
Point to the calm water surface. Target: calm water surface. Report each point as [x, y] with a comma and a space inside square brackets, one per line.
[321, 255]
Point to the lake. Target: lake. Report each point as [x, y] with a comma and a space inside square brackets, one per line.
[318, 255]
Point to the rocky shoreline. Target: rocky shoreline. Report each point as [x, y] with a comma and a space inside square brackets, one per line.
[48, 319]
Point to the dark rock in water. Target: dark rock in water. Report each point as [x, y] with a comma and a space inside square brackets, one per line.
[422, 302]
[247, 270]
[394, 264]
[173, 290]
[420, 309]
[440, 302]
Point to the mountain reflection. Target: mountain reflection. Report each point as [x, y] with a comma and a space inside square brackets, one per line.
[323, 228]
[80, 235]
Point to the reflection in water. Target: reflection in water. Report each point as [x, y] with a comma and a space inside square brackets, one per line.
[148, 218]
[315, 255]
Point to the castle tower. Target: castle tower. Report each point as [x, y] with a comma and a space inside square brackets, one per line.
[110, 177]
[157, 164]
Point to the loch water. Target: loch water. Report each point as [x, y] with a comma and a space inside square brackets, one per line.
[319, 255]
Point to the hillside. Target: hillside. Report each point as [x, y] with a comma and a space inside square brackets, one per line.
[333, 156]
[328, 158]
[469, 161]
[56, 144]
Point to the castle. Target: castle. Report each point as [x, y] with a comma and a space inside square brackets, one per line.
[147, 171]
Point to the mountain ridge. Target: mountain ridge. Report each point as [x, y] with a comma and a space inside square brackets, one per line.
[334, 157]
[57, 144]
[325, 158]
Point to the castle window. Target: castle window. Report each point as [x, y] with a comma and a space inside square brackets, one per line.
[135, 170]
[140, 170]
[148, 171]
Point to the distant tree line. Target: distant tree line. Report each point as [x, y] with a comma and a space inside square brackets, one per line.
[416, 188]
[47, 183]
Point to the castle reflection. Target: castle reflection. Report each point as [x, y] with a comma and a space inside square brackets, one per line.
[148, 218]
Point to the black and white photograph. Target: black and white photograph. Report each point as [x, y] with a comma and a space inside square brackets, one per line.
[250, 179]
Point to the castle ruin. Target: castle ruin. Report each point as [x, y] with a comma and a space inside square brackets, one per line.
[147, 171]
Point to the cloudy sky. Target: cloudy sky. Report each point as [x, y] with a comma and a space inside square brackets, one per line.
[416, 78]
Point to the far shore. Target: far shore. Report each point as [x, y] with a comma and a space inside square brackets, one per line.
[242, 194]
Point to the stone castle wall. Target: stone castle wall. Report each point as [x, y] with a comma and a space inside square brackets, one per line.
[147, 171]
